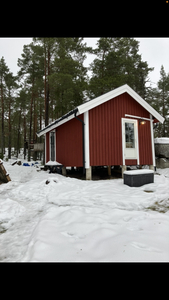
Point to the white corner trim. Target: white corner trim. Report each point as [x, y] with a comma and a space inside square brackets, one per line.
[122, 132]
[86, 135]
[152, 140]
[45, 149]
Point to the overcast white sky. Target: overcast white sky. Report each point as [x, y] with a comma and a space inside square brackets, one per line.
[154, 50]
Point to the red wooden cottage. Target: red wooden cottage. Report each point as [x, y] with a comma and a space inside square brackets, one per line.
[113, 129]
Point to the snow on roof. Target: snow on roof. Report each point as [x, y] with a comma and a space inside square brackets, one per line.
[53, 163]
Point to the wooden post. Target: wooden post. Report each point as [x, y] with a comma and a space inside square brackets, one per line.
[109, 170]
[64, 171]
[151, 167]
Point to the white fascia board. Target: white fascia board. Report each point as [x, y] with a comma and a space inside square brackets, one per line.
[112, 94]
[101, 99]
[57, 124]
[142, 102]
[106, 97]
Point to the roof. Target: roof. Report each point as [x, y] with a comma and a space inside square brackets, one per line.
[98, 101]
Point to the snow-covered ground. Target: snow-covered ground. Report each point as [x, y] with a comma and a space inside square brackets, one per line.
[48, 217]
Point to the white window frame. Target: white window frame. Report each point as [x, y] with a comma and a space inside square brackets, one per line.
[53, 131]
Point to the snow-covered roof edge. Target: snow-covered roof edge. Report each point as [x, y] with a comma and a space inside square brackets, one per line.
[100, 100]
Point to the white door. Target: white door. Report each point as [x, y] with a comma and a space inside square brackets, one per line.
[130, 139]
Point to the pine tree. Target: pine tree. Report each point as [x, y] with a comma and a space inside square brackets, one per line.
[153, 98]
[68, 77]
[118, 63]
[31, 71]
[163, 85]
[11, 85]
[3, 72]
[48, 46]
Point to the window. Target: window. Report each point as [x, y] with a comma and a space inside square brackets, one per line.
[52, 146]
[129, 135]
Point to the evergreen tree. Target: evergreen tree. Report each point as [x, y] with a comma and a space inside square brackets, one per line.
[68, 79]
[118, 63]
[3, 72]
[11, 86]
[32, 73]
[163, 85]
[153, 98]
[47, 47]
[158, 98]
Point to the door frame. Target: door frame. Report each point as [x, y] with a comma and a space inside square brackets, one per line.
[135, 122]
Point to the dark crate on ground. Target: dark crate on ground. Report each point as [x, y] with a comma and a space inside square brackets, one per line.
[54, 167]
[138, 178]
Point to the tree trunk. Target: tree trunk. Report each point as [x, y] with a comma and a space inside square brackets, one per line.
[9, 128]
[163, 115]
[2, 122]
[30, 130]
[45, 89]
[24, 125]
[18, 138]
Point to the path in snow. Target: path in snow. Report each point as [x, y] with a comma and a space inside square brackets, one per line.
[74, 220]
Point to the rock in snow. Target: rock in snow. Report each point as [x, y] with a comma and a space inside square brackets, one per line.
[76, 220]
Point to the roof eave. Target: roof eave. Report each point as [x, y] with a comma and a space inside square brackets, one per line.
[100, 100]
[58, 122]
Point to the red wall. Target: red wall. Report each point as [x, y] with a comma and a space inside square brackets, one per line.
[145, 147]
[106, 132]
[105, 135]
[69, 143]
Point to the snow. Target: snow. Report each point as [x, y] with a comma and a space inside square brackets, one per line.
[52, 163]
[162, 140]
[138, 172]
[49, 217]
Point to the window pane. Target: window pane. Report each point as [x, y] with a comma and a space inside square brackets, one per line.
[52, 145]
[129, 135]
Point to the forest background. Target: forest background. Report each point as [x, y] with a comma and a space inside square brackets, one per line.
[53, 80]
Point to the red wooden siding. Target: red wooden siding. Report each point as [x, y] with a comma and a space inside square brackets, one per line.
[145, 147]
[130, 162]
[106, 133]
[69, 143]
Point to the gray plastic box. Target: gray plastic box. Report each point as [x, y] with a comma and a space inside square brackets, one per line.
[137, 178]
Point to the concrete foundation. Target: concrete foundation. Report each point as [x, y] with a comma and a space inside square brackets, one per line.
[151, 167]
[89, 173]
[64, 171]
[124, 168]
